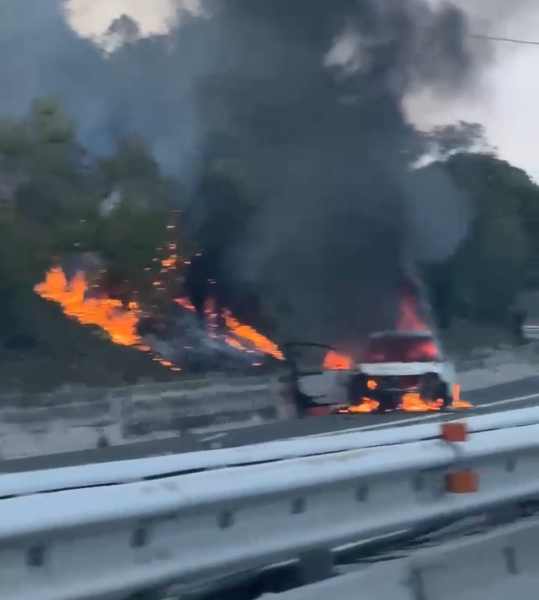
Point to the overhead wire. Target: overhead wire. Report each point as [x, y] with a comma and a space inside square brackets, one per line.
[504, 39]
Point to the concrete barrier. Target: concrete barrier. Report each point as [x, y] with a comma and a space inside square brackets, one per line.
[140, 410]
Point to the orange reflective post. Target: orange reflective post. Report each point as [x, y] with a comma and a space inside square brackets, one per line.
[466, 482]
[454, 432]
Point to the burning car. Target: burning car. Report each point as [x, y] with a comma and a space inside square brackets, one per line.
[398, 370]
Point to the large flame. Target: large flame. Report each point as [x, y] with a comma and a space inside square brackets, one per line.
[411, 402]
[409, 318]
[108, 314]
[120, 322]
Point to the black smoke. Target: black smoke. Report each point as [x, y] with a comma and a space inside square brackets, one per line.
[342, 217]
[320, 134]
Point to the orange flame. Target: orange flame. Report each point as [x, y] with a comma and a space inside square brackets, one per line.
[409, 319]
[106, 313]
[256, 341]
[411, 402]
[120, 323]
[260, 342]
[336, 362]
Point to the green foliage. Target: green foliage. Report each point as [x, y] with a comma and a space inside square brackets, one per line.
[49, 125]
[132, 161]
[129, 240]
[500, 256]
[52, 193]
[24, 254]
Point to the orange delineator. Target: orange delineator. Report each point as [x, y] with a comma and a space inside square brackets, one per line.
[460, 482]
[466, 482]
[454, 432]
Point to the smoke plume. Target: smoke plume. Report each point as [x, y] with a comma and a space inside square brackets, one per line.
[309, 93]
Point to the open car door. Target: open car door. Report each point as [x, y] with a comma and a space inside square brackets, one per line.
[315, 380]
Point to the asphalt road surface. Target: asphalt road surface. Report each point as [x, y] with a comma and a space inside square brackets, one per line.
[508, 396]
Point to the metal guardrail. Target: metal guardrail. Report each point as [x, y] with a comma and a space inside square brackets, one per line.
[113, 541]
[530, 331]
[126, 471]
[493, 566]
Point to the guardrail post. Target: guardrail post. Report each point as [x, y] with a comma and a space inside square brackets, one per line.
[287, 405]
[416, 584]
[454, 432]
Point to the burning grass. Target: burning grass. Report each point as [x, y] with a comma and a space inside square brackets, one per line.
[90, 306]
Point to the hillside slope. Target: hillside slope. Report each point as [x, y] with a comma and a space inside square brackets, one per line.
[46, 350]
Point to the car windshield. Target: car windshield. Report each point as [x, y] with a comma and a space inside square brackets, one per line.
[402, 349]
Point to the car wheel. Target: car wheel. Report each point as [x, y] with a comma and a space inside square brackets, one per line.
[357, 389]
[430, 387]
[386, 402]
[445, 395]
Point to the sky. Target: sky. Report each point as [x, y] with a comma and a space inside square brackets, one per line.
[505, 100]
[92, 18]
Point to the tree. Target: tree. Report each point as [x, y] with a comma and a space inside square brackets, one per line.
[49, 124]
[57, 194]
[129, 242]
[131, 161]
[500, 255]
[24, 254]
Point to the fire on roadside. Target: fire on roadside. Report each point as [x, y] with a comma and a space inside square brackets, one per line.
[110, 315]
[120, 321]
[256, 342]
